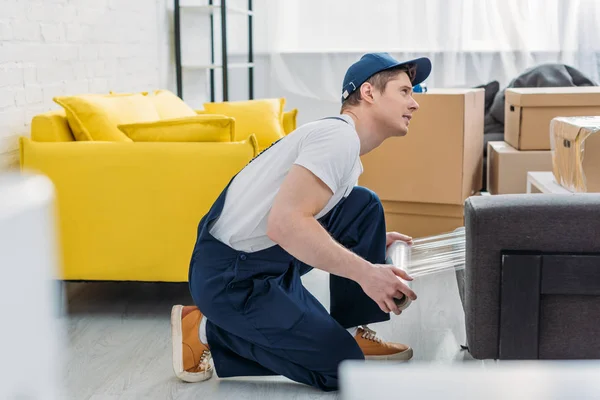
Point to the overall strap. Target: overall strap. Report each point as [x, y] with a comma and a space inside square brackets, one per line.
[215, 210]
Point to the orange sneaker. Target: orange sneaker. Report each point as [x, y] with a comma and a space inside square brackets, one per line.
[191, 357]
[376, 349]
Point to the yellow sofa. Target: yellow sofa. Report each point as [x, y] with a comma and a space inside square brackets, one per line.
[129, 211]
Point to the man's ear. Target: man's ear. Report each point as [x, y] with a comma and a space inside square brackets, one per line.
[366, 92]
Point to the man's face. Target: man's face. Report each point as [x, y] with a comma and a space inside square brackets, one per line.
[395, 106]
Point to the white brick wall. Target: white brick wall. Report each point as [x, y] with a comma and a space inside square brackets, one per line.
[55, 47]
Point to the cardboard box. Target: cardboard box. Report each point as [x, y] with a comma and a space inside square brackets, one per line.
[528, 112]
[576, 153]
[440, 160]
[422, 219]
[507, 167]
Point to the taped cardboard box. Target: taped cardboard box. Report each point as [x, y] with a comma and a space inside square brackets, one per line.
[507, 167]
[440, 160]
[576, 153]
[528, 112]
[422, 219]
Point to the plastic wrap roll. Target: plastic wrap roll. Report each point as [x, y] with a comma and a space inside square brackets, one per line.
[399, 255]
[428, 255]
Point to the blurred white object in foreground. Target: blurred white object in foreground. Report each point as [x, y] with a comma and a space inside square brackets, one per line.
[472, 380]
[31, 363]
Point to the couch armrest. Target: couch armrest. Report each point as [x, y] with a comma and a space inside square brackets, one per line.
[517, 222]
[127, 206]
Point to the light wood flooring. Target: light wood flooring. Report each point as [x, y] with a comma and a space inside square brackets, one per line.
[118, 340]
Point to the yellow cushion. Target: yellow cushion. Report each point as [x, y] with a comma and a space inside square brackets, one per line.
[289, 120]
[51, 126]
[263, 117]
[169, 106]
[200, 128]
[96, 117]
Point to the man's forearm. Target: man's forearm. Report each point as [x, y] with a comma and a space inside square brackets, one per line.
[305, 239]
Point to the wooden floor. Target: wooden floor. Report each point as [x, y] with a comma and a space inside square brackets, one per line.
[118, 342]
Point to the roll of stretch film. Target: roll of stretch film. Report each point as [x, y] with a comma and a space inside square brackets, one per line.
[428, 255]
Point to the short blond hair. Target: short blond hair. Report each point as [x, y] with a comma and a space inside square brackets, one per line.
[379, 82]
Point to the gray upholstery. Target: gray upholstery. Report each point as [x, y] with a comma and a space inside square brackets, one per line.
[539, 222]
[570, 328]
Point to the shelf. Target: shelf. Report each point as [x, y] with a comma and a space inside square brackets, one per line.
[215, 8]
[211, 63]
[216, 66]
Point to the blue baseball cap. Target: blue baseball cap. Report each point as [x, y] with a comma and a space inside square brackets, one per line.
[372, 63]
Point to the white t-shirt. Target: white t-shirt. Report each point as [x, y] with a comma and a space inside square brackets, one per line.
[329, 148]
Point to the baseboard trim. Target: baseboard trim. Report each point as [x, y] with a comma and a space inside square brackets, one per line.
[9, 144]
[9, 152]
[9, 161]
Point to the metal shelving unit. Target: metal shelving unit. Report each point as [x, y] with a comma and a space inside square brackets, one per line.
[222, 10]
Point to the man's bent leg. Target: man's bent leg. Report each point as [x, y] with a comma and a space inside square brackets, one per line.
[267, 323]
[357, 223]
[309, 354]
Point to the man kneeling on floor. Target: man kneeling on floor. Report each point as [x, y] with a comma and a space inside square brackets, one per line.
[295, 207]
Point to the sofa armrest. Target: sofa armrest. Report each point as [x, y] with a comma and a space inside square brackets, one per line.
[547, 223]
[140, 201]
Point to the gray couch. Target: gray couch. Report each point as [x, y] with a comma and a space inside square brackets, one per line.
[532, 276]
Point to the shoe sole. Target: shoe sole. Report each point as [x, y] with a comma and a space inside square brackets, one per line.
[402, 356]
[177, 344]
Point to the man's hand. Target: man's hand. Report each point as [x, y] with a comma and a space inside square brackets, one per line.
[391, 237]
[382, 284]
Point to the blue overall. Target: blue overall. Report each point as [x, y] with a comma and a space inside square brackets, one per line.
[261, 320]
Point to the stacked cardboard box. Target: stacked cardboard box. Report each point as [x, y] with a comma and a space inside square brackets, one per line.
[528, 113]
[507, 167]
[424, 178]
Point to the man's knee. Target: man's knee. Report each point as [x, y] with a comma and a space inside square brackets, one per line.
[367, 200]
[365, 196]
